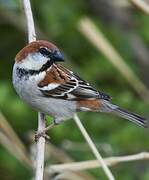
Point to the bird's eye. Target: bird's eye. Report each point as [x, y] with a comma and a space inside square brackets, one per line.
[44, 51]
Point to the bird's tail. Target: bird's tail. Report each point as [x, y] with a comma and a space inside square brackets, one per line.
[141, 121]
[135, 118]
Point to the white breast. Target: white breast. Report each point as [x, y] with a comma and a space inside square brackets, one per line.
[31, 94]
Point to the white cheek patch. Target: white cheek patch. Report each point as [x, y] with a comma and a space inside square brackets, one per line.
[33, 61]
[38, 77]
[49, 87]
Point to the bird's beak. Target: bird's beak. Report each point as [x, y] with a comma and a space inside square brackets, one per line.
[57, 56]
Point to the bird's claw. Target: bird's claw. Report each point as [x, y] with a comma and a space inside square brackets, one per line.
[42, 133]
[39, 134]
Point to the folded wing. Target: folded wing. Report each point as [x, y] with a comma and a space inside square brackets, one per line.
[63, 83]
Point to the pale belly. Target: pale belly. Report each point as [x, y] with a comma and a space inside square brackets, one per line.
[57, 108]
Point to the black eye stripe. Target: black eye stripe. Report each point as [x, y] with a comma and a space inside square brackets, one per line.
[44, 51]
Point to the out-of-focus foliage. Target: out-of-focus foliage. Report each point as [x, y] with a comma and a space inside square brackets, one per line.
[57, 21]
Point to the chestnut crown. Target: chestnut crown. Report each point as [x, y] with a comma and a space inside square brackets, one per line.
[45, 48]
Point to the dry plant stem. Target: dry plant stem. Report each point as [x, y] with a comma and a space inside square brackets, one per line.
[10, 140]
[142, 5]
[93, 148]
[30, 21]
[40, 148]
[79, 166]
[88, 28]
[15, 151]
[70, 175]
[41, 116]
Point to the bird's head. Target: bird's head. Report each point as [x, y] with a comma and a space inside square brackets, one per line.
[38, 56]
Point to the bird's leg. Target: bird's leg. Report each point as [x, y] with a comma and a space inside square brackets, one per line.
[43, 133]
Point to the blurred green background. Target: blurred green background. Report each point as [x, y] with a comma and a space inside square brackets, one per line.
[57, 21]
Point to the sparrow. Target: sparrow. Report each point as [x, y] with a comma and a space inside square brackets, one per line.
[56, 91]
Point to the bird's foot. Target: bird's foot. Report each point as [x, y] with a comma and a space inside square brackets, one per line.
[43, 132]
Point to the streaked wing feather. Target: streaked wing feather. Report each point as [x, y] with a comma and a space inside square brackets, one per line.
[73, 88]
